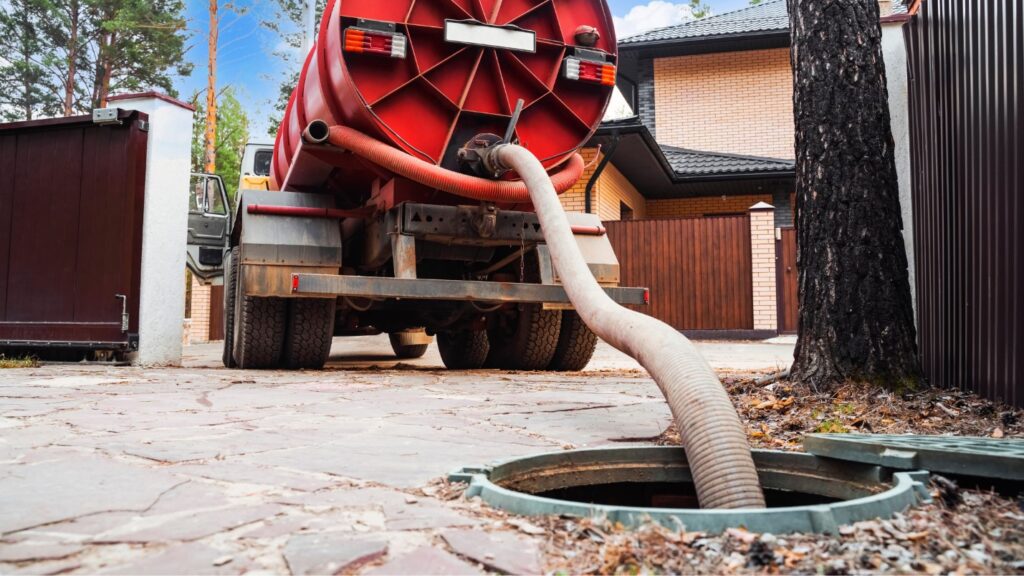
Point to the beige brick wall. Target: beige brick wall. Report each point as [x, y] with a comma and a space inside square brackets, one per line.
[199, 330]
[736, 102]
[611, 189]
[762, 244]
[574, 200]
[704, 206]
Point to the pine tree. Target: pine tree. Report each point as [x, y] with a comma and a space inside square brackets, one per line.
[139, 44]
[856, 318]
[28, 92]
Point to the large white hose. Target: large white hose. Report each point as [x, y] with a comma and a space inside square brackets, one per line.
[713, 436]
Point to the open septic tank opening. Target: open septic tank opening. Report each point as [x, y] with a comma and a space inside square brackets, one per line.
[805, 493]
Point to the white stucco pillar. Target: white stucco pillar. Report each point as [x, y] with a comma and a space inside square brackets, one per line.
[165, 226]
[894, 52]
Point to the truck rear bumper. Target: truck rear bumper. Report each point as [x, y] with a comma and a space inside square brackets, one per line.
[456, 290]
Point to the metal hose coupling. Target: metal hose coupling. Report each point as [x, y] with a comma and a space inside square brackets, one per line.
[713, 435]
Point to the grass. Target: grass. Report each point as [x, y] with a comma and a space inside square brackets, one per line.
[23, 362]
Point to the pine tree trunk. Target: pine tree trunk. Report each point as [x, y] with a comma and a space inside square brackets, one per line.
[856, 318]
[69, 87]
[210, 137]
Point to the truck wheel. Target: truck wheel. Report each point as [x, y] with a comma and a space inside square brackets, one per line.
[309, 334]
[463, 350]
[259, 334]
[230, 287]
[576, 344]
[400, 343]
[530, 344]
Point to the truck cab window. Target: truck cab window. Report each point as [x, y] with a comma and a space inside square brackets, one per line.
[261, 162]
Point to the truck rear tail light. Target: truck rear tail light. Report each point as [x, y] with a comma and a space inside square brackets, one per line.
[361, 41]
[590, 71]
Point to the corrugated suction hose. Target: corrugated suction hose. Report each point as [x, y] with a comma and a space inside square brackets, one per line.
[713, 436]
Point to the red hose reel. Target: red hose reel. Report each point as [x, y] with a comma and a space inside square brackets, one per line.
[426, 76]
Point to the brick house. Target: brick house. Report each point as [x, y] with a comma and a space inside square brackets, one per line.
[712, 138]
[713, 131]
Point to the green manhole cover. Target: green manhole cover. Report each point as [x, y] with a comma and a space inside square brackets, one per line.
[805, 493]
[1001, 459]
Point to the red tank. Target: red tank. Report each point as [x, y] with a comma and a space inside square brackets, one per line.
[425, 76]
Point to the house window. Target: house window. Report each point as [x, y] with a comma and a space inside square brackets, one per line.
[625, 212]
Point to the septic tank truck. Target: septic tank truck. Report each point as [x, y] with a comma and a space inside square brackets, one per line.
[338, 240]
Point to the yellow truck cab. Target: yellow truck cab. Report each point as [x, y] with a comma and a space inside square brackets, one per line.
[255, 169]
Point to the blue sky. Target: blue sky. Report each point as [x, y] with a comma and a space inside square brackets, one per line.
[247, 61]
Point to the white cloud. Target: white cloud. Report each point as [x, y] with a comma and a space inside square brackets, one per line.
[654, 14]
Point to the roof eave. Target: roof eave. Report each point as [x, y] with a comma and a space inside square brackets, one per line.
[705, 41]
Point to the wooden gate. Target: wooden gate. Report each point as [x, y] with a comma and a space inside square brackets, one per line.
[71, 195]
[217, 313]
[698, 270]
[785, 250]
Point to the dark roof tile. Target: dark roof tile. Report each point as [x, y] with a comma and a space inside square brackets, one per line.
[769, 16]
[690, 163]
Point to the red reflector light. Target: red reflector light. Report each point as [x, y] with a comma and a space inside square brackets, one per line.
[590, 71]
[647, 297]
[295, 283]
[360, 41]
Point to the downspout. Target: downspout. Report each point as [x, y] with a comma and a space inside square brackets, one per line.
[588, 202]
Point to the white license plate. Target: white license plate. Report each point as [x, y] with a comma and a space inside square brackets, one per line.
[476, 34]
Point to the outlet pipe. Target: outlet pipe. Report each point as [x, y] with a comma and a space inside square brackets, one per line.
[713, 436]
[402, 164]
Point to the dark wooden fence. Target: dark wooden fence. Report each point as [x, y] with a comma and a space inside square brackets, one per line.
[698, 269]
[967, 110]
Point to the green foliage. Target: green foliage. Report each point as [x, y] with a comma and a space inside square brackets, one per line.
[27, 91]
[232, 135]
[831, 426]
[289, 27]
[755, 2]
[699, 9]
[67, 56]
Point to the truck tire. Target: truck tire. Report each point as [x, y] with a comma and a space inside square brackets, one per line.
[309, 333]
[406, 351]
[576, 344]
[259, 343]
[531, 345]
[463, 350]
[230, 288]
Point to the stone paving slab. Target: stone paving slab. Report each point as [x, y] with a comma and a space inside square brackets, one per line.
[212, 471]
[425, 561]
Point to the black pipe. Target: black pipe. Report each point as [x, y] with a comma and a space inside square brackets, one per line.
[600, 169]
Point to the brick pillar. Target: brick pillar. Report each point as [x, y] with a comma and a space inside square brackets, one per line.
[762, 244]
[200, 326]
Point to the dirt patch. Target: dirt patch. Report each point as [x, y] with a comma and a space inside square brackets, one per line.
[779, 414]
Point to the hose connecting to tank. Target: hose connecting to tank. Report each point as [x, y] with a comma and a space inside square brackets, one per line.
[713, 436]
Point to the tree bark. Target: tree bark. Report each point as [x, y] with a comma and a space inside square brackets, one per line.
[210, 137]
[856, 317]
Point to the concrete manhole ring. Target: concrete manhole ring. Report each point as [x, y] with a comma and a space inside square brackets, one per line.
[805, 493]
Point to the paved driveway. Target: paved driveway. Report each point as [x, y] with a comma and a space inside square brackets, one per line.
[207, 470]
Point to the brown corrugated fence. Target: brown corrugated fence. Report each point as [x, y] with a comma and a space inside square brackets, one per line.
[967, 109]
[698, 269]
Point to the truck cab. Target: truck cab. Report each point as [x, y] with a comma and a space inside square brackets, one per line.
[209, 223]
[255, 169]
